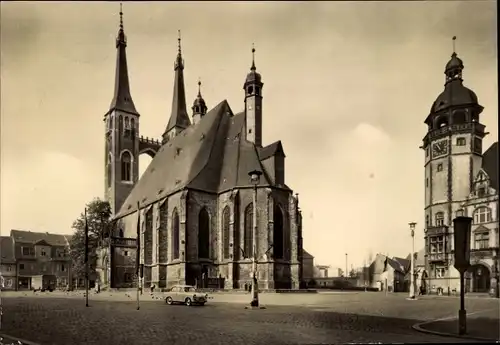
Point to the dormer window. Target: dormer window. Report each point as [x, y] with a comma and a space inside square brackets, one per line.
[481, 192]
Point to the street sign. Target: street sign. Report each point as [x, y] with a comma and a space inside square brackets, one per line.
[462, 236]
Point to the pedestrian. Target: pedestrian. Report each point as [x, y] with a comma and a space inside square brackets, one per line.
[152, 288]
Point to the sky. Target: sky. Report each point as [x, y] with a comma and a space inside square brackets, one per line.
[347, 86]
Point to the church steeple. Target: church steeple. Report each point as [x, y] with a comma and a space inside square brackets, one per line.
[454, 67]
[122, 100]
[253, 104]
[199, 107]
[179, 119]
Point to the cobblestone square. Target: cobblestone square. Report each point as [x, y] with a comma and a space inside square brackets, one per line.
[287, 319]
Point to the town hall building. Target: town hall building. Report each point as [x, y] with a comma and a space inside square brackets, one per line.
[460, 179]
[194, 202]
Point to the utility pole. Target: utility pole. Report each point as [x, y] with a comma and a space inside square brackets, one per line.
[412, 259]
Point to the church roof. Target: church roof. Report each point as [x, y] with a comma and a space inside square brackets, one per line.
[490, 164]
[454, 94]
[23, 236]
[271, 150]
[212, 156]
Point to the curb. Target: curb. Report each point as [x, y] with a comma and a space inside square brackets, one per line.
[418, 327]
[22, 341]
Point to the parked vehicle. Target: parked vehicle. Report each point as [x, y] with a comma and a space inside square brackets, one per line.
[185, 294]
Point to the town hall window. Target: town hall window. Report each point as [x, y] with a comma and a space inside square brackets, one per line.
[278, 233]
[482, 215]
[175, 234]
[126, 166]
[203, 234]
[248, 232]
[482, 240]
[225, 231]
[439, 219]
[440, 167]
[437, 244]
[460, 141]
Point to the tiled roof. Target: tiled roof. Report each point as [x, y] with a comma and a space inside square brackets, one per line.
[23, 236]
[211, 156]
[490, 164]
[271, 150]
[306, 255]
[7, 249]
[405, 263]
[397, 266]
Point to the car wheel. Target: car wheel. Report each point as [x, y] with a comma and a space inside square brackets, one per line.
[202, 304]
[169, 300]
[188, 302]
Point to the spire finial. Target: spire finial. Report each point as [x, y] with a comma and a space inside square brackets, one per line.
[253, 58]
[179, 41]
[199, 87]
[121, 15]
[454, 39]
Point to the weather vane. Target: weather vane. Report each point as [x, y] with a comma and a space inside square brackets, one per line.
[454, 39]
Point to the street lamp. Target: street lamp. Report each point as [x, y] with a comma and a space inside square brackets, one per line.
[412, 270]
[255, 180]
[461, 236]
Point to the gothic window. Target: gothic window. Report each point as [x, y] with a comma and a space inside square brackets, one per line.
[109, 170]
[175, 234]
[126, 166]
[225, 231]
[278, 239]
[120, 233]
[248, 232]
[482, 215]
[482, 240]
[148, 238]
[439, 219]
[127, 123]
[120, 123]
[132, 123]
[162, 236]
[203, 234]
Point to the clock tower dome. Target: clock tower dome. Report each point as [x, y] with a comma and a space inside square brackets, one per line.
[453, 157]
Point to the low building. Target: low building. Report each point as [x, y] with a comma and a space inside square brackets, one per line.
[8, 268]
[307, 267]
[41, 253]
[385, 273]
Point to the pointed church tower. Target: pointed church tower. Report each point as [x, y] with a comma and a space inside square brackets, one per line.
[253, 104]
[199, 107]
[121, 132]
[179, 119]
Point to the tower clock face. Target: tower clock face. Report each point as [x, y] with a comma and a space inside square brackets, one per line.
[440, 148]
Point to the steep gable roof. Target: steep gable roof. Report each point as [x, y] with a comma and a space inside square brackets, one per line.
[404, 263]
[212, 156]
[7, 250]
[490, 164]
[31, 237]
[306, 255]
[271, 150]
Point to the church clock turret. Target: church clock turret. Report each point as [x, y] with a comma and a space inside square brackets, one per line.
[453, 156]
[121, 133]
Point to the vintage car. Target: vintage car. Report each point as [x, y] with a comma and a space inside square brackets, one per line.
[185, 294]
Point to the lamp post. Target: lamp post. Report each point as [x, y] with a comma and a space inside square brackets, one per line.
[345, 274]
[254, 179]
[461, 236]
[412, 258]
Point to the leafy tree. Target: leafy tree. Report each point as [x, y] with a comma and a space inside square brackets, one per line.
[98, 221]
[352, 273]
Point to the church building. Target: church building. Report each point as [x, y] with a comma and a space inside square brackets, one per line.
[194, 202]
[460, 179]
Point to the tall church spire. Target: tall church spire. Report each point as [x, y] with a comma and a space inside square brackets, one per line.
[122, 99]
[179, 119]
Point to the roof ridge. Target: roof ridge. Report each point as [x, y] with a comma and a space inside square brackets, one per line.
[220, 115]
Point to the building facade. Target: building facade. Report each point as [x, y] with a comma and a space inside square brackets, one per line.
[194, 203]
[460, 178]
[26, 254]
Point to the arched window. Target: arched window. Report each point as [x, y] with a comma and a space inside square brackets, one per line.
[127, 123]
[148, 238]
[441, 122]
[175, 234]
[482, 215]
[132, 123]
[120, 233]
[278, 239]
[459, 117]
[203, 234]
[120, 123]
[427, 220]
[126, 166]
[109, 170]
[225, 231]
[248, 232]
[162, 235]
[439, 219]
